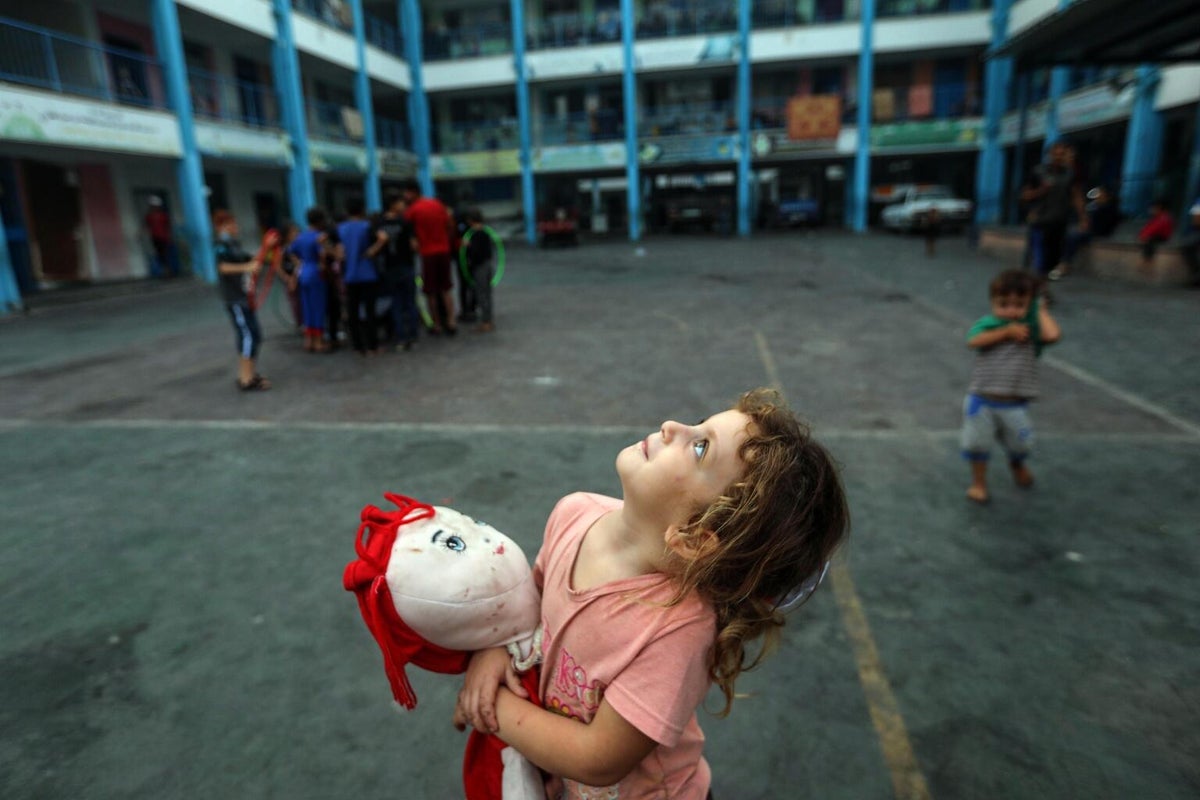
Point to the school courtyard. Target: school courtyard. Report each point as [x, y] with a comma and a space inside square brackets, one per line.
[171, 550]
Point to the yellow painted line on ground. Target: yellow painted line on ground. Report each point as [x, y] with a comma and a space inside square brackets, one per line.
[907, 781]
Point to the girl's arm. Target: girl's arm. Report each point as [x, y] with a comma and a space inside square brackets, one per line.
[599, 753]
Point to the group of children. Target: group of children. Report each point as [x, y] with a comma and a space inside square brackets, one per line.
[340, 272]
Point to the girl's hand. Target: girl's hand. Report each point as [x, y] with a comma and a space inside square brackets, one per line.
[477, 699]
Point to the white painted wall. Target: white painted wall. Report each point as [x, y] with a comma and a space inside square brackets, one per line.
[469, 73]
[1180, 85]
[810, 41]
[902, 34]
[252, 15]
[387, 68]
[324, 42]
[1027, 12]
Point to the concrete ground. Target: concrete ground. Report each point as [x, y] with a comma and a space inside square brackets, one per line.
[171, 550]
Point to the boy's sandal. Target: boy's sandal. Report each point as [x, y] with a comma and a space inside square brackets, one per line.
[978, 499]
[256, 384]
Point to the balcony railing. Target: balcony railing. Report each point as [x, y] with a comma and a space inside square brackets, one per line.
[687, 119]
[50, 60]
[709, 16]
[217, 97]
[926, 101]
[905, 104]
[587, 126]
[908, 8]
[335, 13]
[384, 35]
[468, 41]
[334, 121]
[572, 30]
[771, 112]
[391, 133]
[786, 13]
[462, 137]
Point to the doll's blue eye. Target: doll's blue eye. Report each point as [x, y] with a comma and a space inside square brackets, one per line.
[456, 544]
[700, 448]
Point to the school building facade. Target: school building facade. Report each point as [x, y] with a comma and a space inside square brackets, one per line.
[630, 116]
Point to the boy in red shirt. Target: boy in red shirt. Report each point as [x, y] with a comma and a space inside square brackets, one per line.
[1157, 229]
[433, 224]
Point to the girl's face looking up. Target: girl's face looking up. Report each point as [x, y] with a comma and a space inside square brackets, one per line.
[680, 469]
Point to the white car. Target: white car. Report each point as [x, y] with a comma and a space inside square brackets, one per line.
[910, 212]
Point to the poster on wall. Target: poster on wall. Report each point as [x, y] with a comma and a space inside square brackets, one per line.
[488, 163]
[688, 149]
[814, 117]
[565, 158]
[228, 141]
[60, 120]
[941, 132]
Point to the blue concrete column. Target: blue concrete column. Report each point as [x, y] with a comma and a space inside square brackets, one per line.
[528, 200]
[744, 185]
[10, 293]
[629, 87]
[197, 224]
[1017, 178]
[1143, 145]
[1191, 188]
[366, 108]
[1059, 77]
[989, 170]
[302, 195]
[866, 83]
[418, 104]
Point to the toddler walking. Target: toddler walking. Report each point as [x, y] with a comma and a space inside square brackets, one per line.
[649, 599]
[1004, 380]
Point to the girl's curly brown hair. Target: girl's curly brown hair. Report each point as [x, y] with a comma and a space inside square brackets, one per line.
[775, 527]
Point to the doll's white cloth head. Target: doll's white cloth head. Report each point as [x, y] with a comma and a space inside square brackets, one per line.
[461, 583]
[433, 585]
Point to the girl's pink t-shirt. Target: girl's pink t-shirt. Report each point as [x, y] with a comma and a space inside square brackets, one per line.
[618, 642]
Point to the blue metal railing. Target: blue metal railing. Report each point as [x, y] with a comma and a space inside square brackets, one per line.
[334, 13]
[463, 137]
[786, 13]
[949, 100]
[586, 126]
[467, 41]
[329, 121]
[908, 8]
[227, 99]
[50, 60]
[707, 16]
[571, 30]
[384, 35]
[952, 100]
[771, 112]
[392, 133]
[687, 119]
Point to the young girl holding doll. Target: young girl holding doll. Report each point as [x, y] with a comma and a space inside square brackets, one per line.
[648, 600]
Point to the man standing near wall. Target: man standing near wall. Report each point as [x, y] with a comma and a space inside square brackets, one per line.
[1052, 193]
[433, 226]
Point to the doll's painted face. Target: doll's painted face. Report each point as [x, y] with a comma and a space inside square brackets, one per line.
[462, 584]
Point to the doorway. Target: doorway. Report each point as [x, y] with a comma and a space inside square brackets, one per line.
[55, 217]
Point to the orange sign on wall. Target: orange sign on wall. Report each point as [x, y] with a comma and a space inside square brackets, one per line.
[817, 116]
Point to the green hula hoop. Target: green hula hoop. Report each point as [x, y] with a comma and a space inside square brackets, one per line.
[462, 255]
[422, 305]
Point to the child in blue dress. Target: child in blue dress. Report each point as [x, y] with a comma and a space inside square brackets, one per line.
[308, 247]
